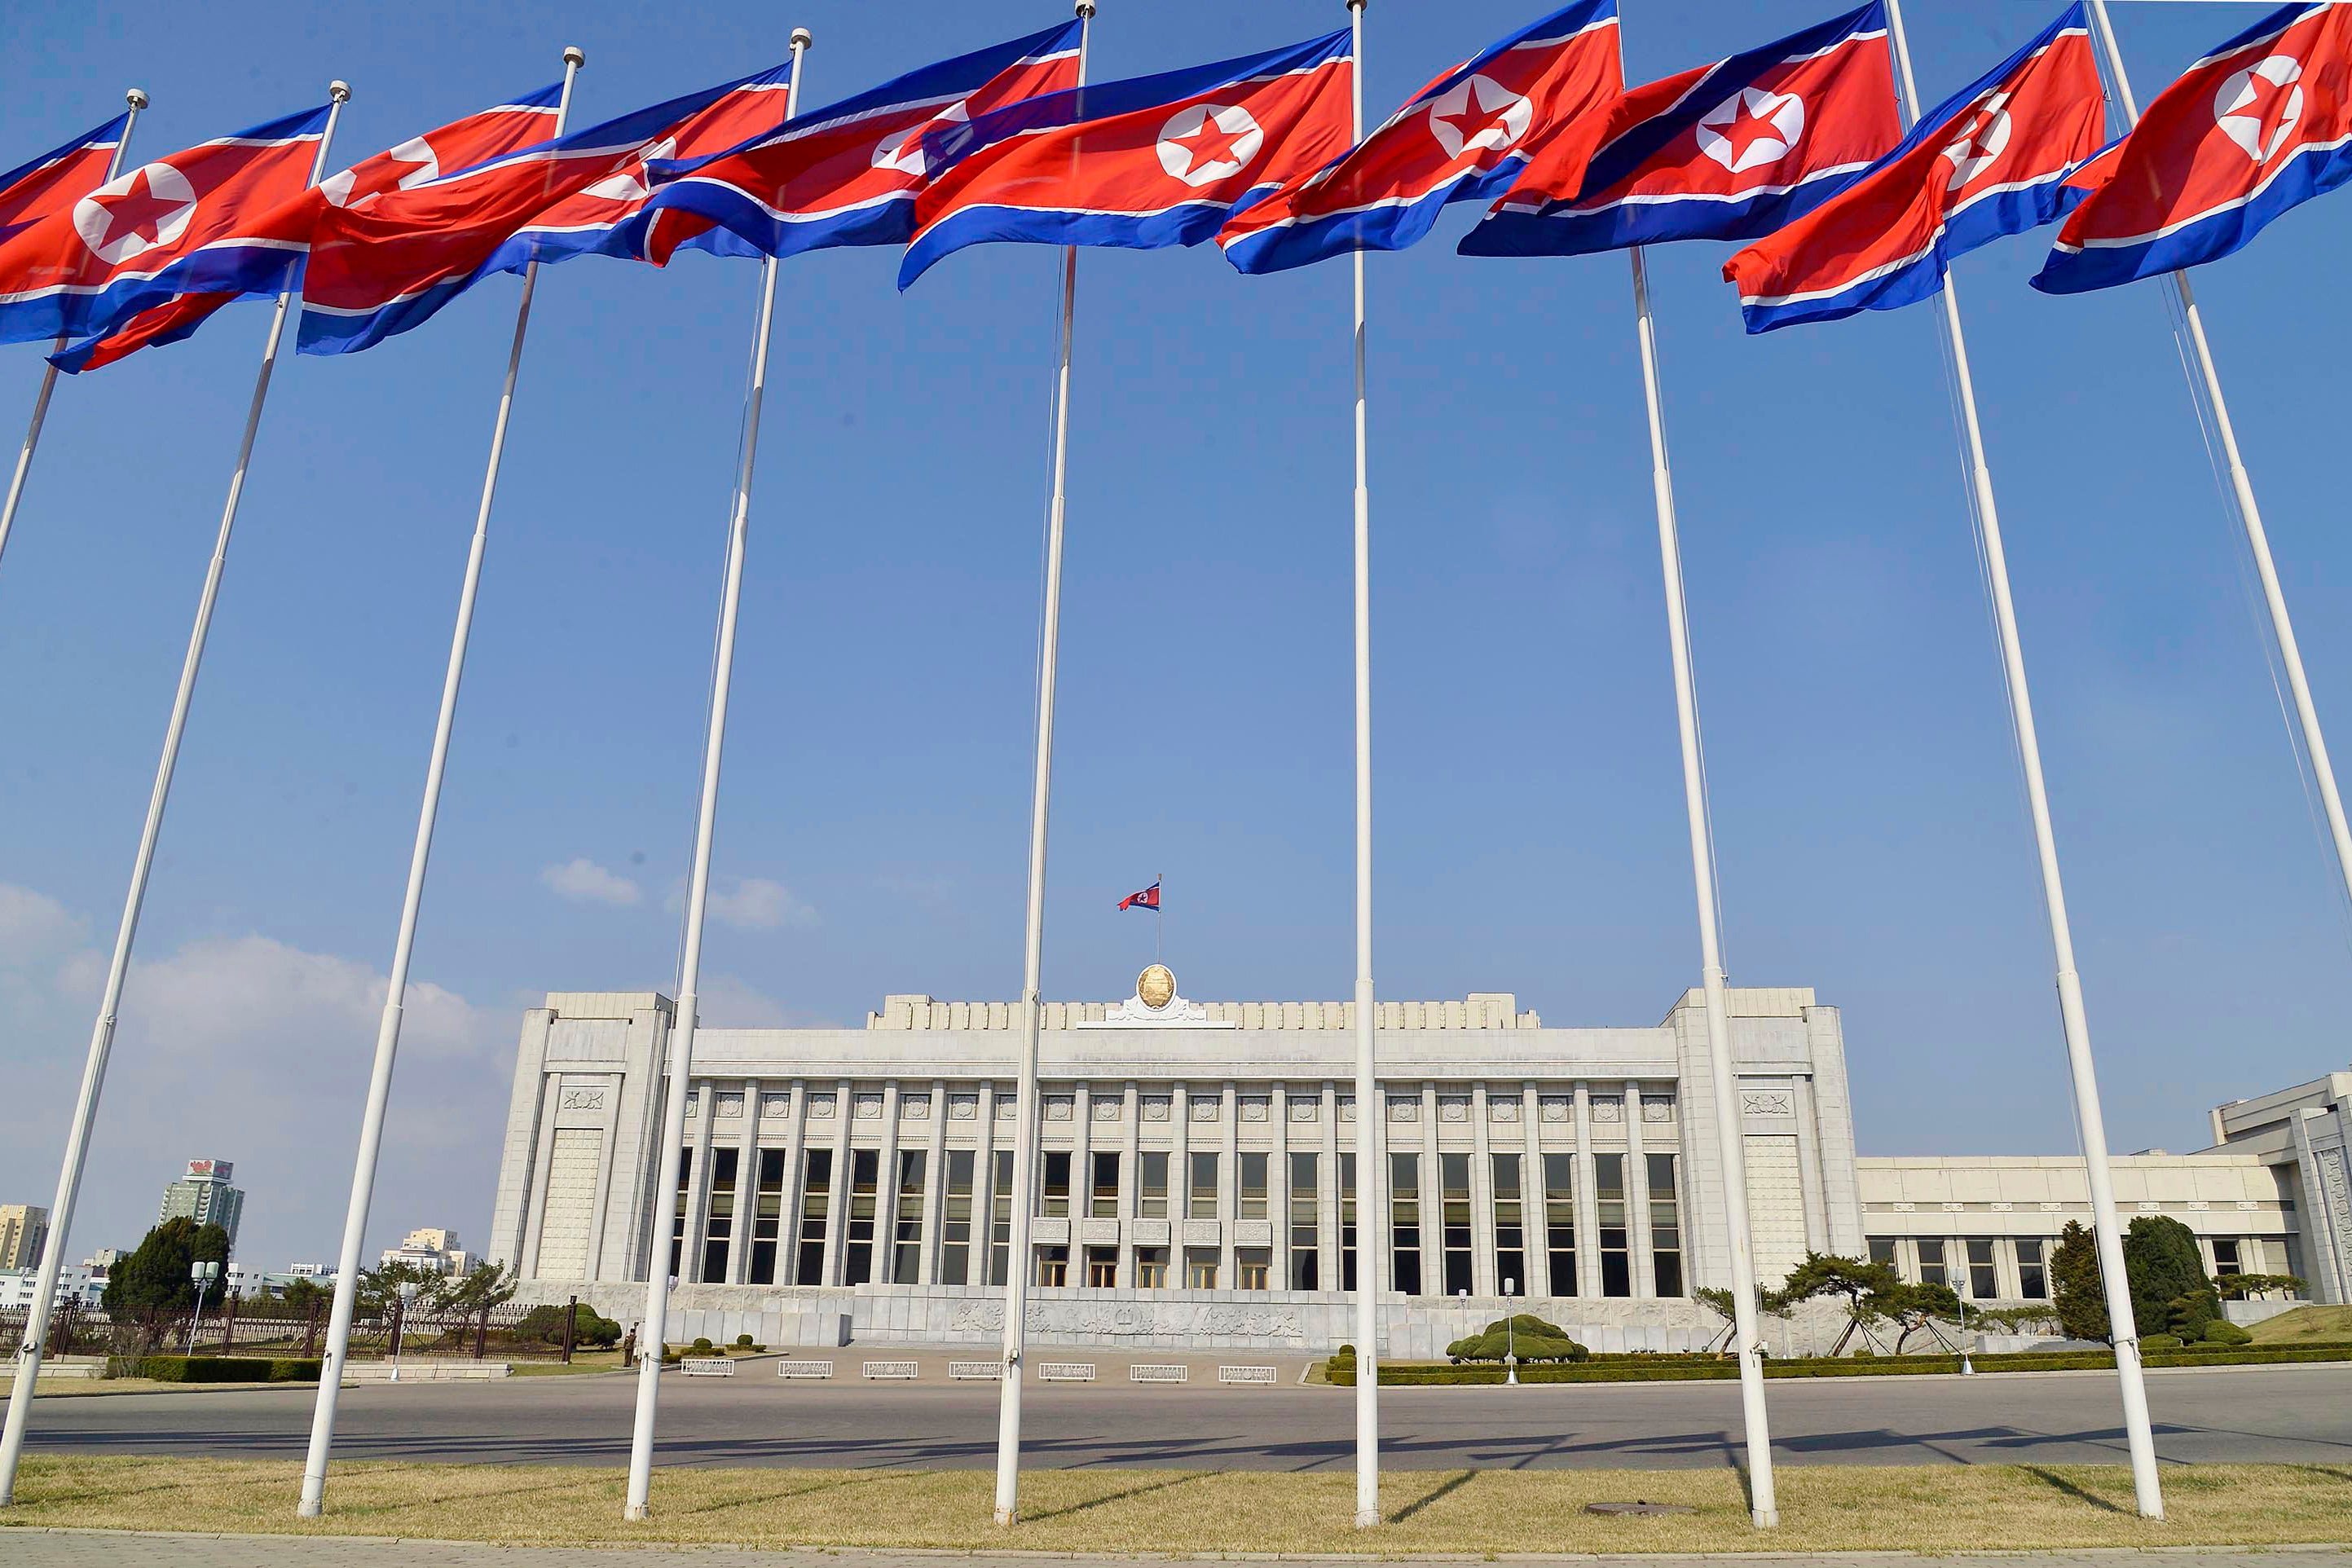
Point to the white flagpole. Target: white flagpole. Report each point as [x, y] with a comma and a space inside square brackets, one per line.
[2249, 514]
[387, 1038]
[102, 1039]
[137, 101]
[1369, 1109]
[698, 895]
[2072, 1016]
[1764, 1507]
[1032, 958]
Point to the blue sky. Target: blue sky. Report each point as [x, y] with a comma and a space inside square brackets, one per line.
[1867, 805]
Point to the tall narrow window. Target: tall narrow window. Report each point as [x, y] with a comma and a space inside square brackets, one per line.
[1347, 1222]
[1102, 1201]
[865, 1197]
[1057, 1186]
[1052, 1266]
[1000, 1220]
[2226, 1259]
[1510, 1235]
[1151, 1268]
[1305, 1273]
[1200, 1269]
[906, 1257]
[1204, 1204]
[1559, 1221]
[677, 1214]
[817, 1202]
[718, 1215]
[1251, 1177]
[1882, 1250]
[955, 1220]
[1454, 1172]
[767, 1217]
[1404, 1220]
[1665, 1225]
[1982, 1286]
[1152, 1184]
[1931, 1261]
[1251, 1266]
[2033, 1275]
[1609, 1196]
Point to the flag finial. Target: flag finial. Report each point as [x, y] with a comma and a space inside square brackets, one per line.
[341, 91]
[574, 56]
[1087, 9]
[135, 98]
[802, 39]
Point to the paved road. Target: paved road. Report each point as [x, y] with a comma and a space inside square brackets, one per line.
[81, 1548]
[2253, 1413]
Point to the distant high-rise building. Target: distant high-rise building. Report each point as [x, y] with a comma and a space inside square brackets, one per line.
[435, 1250]
[23, 1228]
[204, 1196]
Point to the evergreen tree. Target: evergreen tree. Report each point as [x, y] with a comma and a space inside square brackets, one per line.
[2169, 1291]
[2074, 1287]
[155, 1275]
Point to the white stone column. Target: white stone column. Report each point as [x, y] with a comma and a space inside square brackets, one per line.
[1229, 1207]
[1809, 1165]
[1327, 1190]
[1130, 1179]
[983, 1188]
[1180, 1179]
[697, 1187]
[788, 1208]
[1637, 1199]
[837, 1207]
[1587, 1200]
[1277, 1186]
[542, 1161]
[1535, 1209]
[746, 1184]
[1082, 1176]
[935, 1185]
[1485, 1273]
[886, 1191]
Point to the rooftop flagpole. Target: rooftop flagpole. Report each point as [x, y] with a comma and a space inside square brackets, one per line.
[2072, 1016]
[387, 1039]
[698, 895]
[2250, 514]
[137, 101]
[1369, 1118]
[102, 1037]
[1033, 1006]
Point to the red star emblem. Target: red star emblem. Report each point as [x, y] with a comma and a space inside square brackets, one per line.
[1213, 143]
[2267, 106]
[137, 211]
[1474, 121]
[1748, 128]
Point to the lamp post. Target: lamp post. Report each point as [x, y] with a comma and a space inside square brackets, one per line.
[203, 1274]
[1510, 1337]
[408, 1288]
[1967, 1367]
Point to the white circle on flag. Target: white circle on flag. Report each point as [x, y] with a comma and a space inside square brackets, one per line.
[1207, 142]
[1782, 112]
[1980, 143]
[1507, 114]
[901, 151]
[155, 199]
[2275, 74]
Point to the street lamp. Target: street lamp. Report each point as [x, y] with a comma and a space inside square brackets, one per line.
[408, 1288]
[1510, 1337]
[203, 1274]
[1967, 1367]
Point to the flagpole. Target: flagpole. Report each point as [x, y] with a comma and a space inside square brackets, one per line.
[1033, 1006]
[137, 101]
[387, 1039]
[1764, 1507]
[2072, 1016]
[697, 897]
[2250, 514]
[102, 1039]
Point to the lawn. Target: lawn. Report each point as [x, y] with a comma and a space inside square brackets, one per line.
[1947, 1507]
[2304, 1325]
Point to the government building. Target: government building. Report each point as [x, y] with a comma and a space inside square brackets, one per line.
[1198, 1186]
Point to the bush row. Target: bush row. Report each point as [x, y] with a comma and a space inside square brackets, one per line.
[1668, 1368]
[229, 1368]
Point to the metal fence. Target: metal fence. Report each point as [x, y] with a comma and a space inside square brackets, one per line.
[261, 1327]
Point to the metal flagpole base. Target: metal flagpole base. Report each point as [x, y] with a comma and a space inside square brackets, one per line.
[1368, 1518]
[1006, 1518]
[1765, 1518]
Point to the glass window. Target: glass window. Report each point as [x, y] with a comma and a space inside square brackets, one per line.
[1982, 1286]
[2225, 1258]
[1052, 1266]
[1102, 1268]
[677, 1214]
[1000, 1219]
[1151, 1198]
[1665, 1225]
[1404, 1220]
[2032, 1271]
[1559, 1221]
[955, 1220]
[817, 1203]
[1200, 1269]
[1251, 1176]
[1347, 1222]
[1882, 1250]
[1205, 1187]
[1251, 1265]
[1510, 1239]
[1103, 1203]
[1151, 1268]
[1057, 1185]
[767, 1217]
[1931, 1262]
[1609, 1195]
[718, 1215]
[907, 1259]
[1305, 1274]
[1454, 1174]
[858, 1237]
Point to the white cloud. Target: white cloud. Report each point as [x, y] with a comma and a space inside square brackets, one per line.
[585, 882]
[751, 903]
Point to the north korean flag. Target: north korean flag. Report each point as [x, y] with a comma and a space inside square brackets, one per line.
[1728, 151]
[82, 267]
[187, 301]
[1146, 899]
[2260, 125]
[1991, 160]
[848, 174]
[1465, 136]
[1151, 162]
[386, 267]
[52, 182]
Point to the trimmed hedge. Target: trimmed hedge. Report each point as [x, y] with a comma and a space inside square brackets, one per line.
[1674, 1368]
[228, 1369]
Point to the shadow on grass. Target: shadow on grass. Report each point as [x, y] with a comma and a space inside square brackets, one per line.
[379, 1508]
[2057, 1482]
[1453, 1483]
[1181, 1478]
[839, 1481]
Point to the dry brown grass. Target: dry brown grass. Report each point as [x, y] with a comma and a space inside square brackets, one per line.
[1825, 1508]
[2303, 1325]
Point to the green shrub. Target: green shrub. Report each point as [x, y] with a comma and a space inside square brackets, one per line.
[1529, 1336]
[206, 1368]
[2159, 1342]
[2222, 1331]
[743, 1342]
[295, 1369]
[544, 1325]
[703, 1347]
